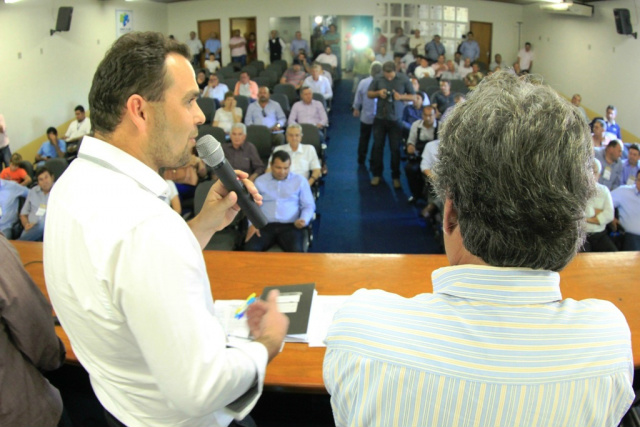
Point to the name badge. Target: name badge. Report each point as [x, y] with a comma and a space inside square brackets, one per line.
[41, 210]
[607, 173]
[631, 180]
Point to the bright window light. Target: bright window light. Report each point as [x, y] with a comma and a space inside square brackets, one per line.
[360, 41]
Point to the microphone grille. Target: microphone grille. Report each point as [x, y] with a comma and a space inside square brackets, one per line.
[210, 150]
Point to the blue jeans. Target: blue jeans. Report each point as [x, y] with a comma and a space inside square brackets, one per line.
[241, 59]
[631, 242]
[5, 157]
[34, 234]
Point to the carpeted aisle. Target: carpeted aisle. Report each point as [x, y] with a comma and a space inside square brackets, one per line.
[353, 216]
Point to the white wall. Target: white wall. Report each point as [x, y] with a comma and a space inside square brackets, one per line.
[54, 74]
[588, 56]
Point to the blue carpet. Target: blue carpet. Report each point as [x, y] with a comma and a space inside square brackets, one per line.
[353, 216]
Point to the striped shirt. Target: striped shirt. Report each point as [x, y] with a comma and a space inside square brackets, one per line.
[490, 347]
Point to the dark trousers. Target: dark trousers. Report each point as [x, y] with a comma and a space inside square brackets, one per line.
[631, 242]
[599, 242]
[363, 145]
[286, 235]
[382, 128]
[5, 157]
[415, 177]
[242, 59]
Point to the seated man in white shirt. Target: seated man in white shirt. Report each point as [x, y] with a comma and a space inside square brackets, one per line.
[598, 214]
[319, 83]
[328, 57]
[304, 158]
[78, 128]
[424, 69]
[215, 90]
[126, 275]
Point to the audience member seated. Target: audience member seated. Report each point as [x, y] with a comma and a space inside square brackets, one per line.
[416, 88]
[15, 173]
[493, 338]
[229, 114]
[294, 75]
[201, 80]
[630, 166]
[610, 119]
[611, 164]
[246, 87]
[78, 128]
[424, 69]
[598, 136]
[450, 73]
[576, 100]
[497, 62]
[598, 214]
[411, 113]
[422, 132]
[440, 66]
[304, 62]
[465, 69]
[173, 198]
[215, 89]
[29, 346]
[241, 154]
[51, 149]
[457, 98]
[33, 213]
[212, 64]
[308, 110]
[384, 56]
[328, 57]
[474, 77]
[287, 203]
[434, 203]
[304, 158]
[267, 113]
[319, 83]
[9, 205]
[627, 200]
[442, 99]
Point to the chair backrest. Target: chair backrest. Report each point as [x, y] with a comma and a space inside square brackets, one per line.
[288, 89]
[28, 167]
[56, 166]
[272, 76]
[428, 82]
[216, 132]
[258, 64]
[283, 100]
[200, 195]
[276, 68]
[320, 97]
[431, 91]
[260, 136]
[282, 64]
[236, 65]
[311, 136]
[253, 71]
[208, 107]
[242, 102]
[458, 86]
[262, 81]
[226, 71]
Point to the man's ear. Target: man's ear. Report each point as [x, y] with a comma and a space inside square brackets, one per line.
[138, 111]
[450, 219]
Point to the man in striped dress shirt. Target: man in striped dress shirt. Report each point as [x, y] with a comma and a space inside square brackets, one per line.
[494, 344]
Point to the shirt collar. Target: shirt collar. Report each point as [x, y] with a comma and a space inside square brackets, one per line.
[113, 158]
[499, 285]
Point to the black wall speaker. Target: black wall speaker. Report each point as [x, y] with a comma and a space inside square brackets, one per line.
[64, 18]
[623, 21]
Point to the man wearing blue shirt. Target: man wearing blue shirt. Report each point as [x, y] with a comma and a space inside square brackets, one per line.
[609, 157]
[267, 113]
[630, 166]
[298, 44]
[213, 45]
[627, 200]
[287, 203]
[52, 148]
[469, 48]
[365, 108]
[9, 193]
[434, 49]
[612, 127]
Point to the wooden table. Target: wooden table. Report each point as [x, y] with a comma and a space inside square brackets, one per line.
[234, 275]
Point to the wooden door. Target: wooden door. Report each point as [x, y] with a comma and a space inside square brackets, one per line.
[482, 31]
[205, 28]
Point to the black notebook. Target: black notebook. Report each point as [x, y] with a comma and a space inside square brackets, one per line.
[295, 301]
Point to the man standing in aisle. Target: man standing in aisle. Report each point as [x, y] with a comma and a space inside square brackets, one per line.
[365, 108]
[126, 275]
[195, 46]
[525, 58]
[391, 91]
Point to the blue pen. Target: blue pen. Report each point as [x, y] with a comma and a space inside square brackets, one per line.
[243, 309]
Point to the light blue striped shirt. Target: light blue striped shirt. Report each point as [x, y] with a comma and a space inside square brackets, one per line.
[490, 347]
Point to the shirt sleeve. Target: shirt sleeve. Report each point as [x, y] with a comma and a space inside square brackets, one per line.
[248, 120]
[307, 204]
[280, 116]
[256, 161]
[27, 208]
[324, 120]
[27, 314]
[413, 132]
[293, 114]
[176, 329]
[607, 214]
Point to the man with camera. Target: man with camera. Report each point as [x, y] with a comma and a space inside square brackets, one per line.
[391, 90]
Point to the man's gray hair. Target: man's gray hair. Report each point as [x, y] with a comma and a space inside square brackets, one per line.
[375, 68]
[294, 126]
[239, 126]
[515, 160]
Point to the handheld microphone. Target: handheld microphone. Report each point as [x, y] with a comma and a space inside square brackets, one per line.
[210, 151]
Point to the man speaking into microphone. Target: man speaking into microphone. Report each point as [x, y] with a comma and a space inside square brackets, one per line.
[126, 274]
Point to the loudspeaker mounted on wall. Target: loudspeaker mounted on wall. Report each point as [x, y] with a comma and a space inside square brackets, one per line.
[64, 19]
[623, 22]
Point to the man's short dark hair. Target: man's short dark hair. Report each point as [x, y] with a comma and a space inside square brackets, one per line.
[52, 130]
[613, 144]
[135, 64]
[634, 147]
[611, 107]
[515, 160]
[388, 67]
[282, 155]
[445, 81]
[79, 108]
[527, 44]
[41, 170]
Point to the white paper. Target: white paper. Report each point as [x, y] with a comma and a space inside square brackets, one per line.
[322, 312]
[288, 302]
[236, 329]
